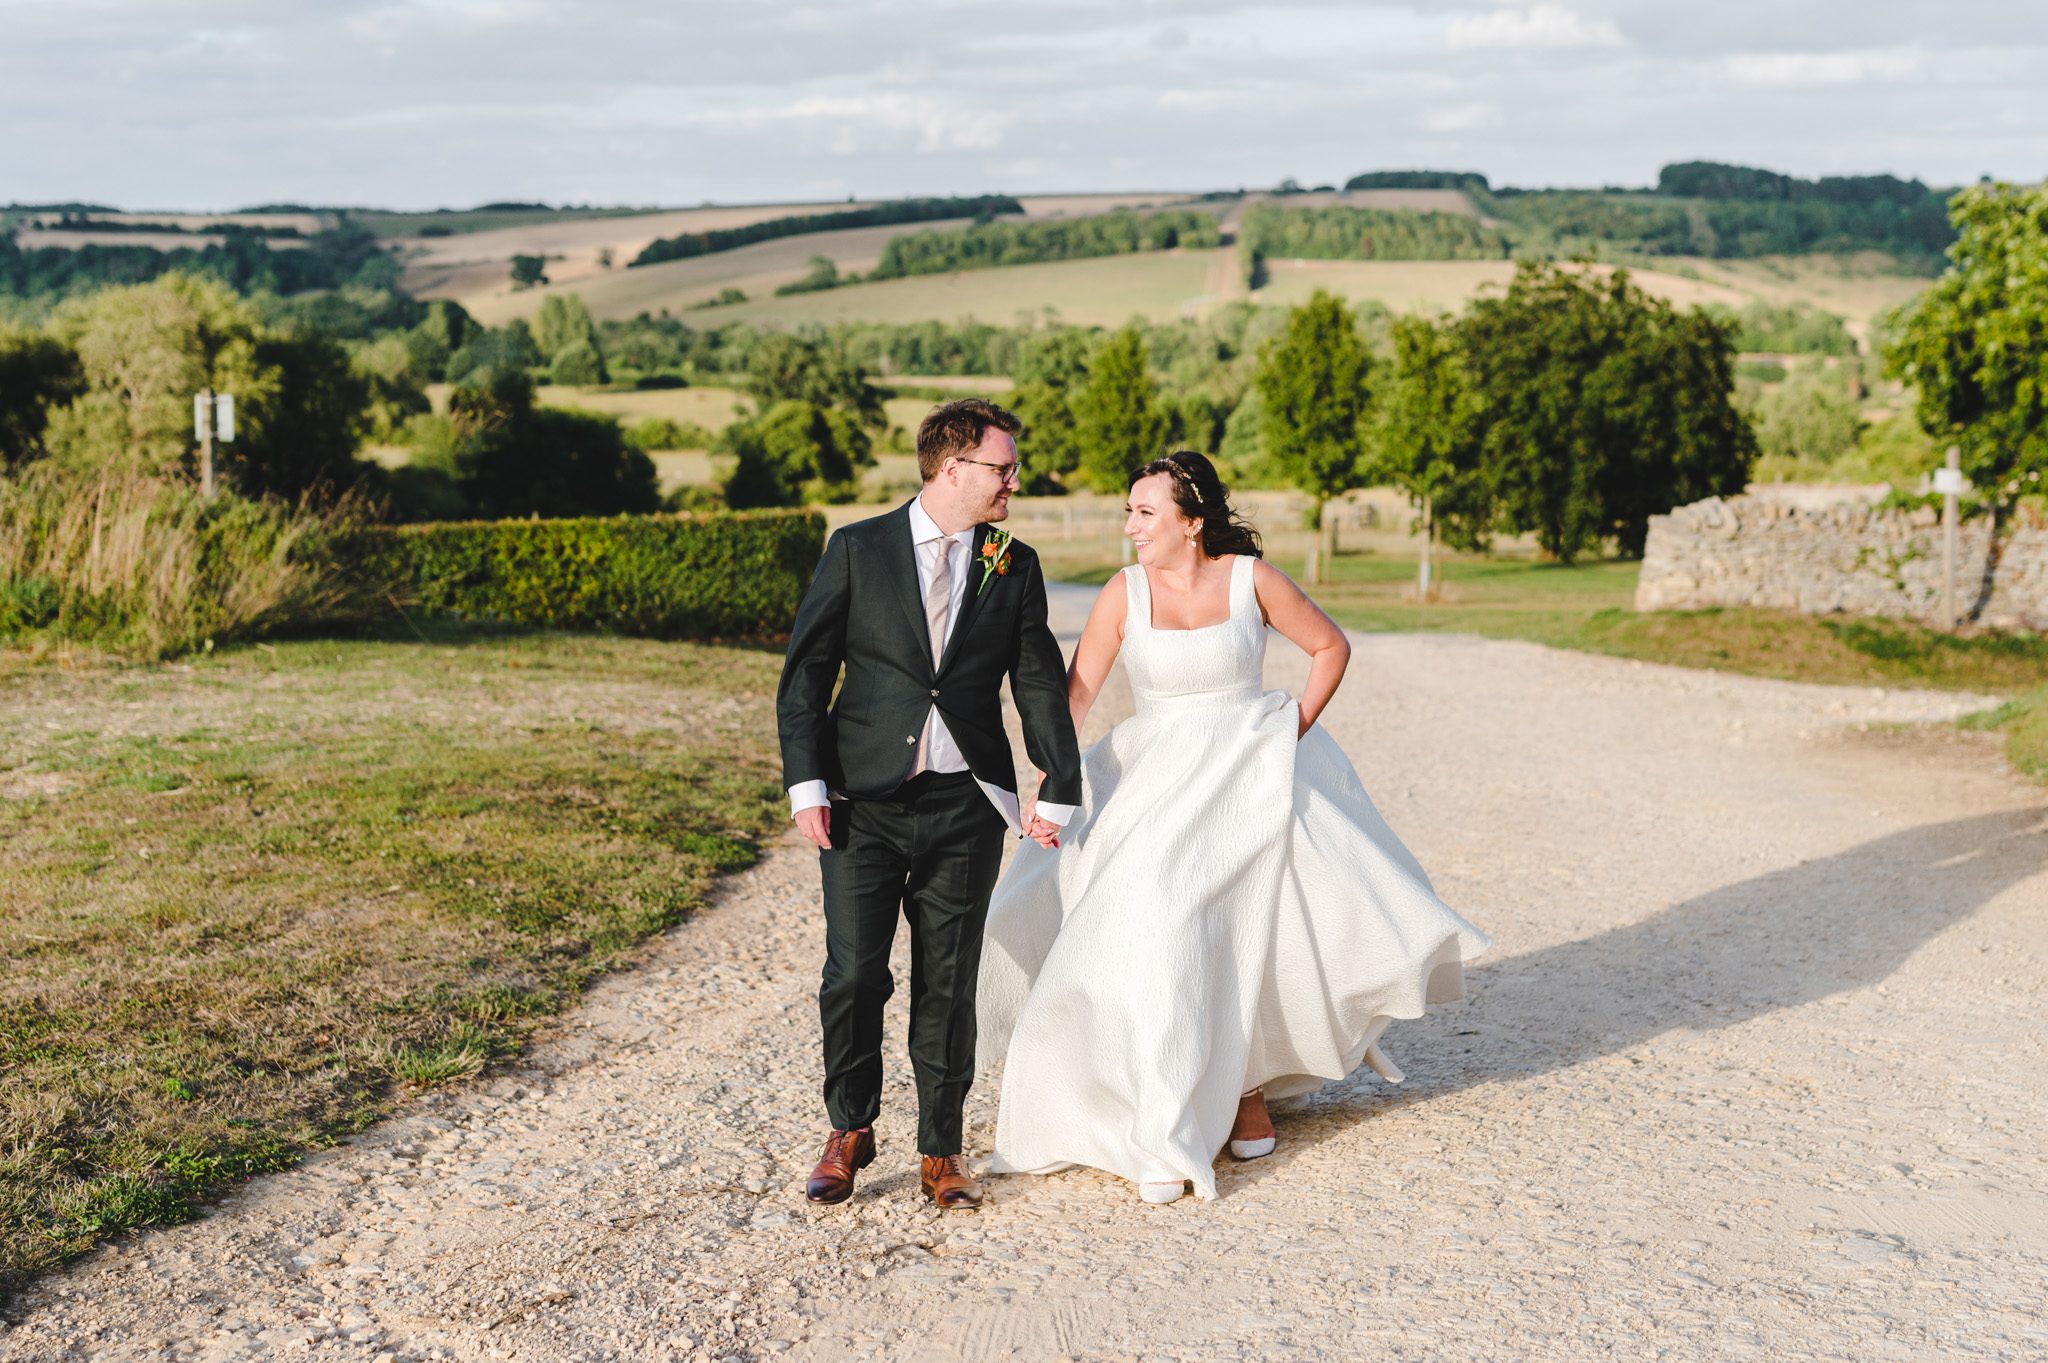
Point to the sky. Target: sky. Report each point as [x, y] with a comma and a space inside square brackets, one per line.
[155, 104]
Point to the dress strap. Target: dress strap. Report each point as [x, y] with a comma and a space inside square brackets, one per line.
[1137, 599]
[1244, 595]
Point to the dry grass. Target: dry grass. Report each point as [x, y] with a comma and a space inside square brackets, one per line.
[145, 565]
[253, 898]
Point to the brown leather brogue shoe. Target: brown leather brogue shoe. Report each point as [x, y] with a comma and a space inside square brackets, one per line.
[845, 1152]
[946, 1182]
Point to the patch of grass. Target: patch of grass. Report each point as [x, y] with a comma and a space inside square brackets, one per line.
[278, 887]
[2024, 720]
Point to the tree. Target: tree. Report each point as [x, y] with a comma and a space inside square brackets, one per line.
[1117, 418]
[446, 328]
[509, 348]
[37, 373]
[528, 271]
[301, 441]
[1809, 418]
[795, 452]
[563, 321]
[790, 368]
[1429, 441]
[1050, 369]
[144, 351]
[1314, 381]
[1601, 406]
[1976, 343]
[514, 459]
[579, 364]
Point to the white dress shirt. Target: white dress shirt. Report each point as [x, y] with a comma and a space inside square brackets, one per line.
[942, 753]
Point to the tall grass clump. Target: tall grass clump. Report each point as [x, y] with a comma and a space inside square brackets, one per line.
[144, 565]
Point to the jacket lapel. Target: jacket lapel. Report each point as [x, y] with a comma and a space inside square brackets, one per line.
[900, 557]
[972, 604]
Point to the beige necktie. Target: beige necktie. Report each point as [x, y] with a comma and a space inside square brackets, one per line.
[938, 605]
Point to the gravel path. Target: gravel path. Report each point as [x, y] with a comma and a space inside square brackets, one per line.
[1754, 1071]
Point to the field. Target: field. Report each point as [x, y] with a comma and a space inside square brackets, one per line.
[254, 898]
[1164, 285]
[473, 267]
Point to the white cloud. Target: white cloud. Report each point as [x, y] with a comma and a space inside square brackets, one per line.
[1806, 70]
[883, 121]
[1543, 25]
[1459, 118]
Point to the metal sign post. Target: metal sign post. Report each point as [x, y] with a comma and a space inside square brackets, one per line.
[1948, 481]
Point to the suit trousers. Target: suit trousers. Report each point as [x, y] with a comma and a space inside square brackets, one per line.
[929, 851]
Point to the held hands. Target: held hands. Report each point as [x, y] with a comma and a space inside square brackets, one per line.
[815, 823]
[1040, 831]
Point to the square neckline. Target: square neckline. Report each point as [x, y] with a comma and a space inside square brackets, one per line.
[1231, 616]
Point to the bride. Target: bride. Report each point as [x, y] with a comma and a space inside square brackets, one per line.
[1229, 919]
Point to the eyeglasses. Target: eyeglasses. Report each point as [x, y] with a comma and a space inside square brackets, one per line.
[1009, 473]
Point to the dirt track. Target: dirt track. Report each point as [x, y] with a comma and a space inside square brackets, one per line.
[1754, 1071]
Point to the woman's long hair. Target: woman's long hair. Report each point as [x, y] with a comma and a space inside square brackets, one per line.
[1201, 496]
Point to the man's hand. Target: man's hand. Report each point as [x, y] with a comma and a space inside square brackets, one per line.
[815, 823]
[1043, 833]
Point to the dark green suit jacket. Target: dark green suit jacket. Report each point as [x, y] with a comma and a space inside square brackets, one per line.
[864, 615]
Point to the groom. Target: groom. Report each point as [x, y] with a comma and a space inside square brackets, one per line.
[904, 781]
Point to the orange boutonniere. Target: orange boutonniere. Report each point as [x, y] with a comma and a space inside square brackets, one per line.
[995, 558]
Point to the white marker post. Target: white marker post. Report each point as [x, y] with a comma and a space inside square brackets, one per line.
[213, 414]
[1948, 481]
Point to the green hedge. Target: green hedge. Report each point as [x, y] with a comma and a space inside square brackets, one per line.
[723, 576]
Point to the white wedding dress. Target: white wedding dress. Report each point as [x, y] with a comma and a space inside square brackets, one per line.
[1227, 911]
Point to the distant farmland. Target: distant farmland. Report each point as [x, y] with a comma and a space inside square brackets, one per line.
[474, 266]
[1163, 285]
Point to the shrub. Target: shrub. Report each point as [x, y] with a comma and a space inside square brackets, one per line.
[578, 364]
[666, 433]
[145, 565]
[667, 577]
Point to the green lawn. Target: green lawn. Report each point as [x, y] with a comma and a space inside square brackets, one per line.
[254, 897]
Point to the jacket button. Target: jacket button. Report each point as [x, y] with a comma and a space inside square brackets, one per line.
[935, 692]
[911, 738]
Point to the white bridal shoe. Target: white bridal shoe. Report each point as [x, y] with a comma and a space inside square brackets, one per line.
[1163, 1192]
[1259, 1146]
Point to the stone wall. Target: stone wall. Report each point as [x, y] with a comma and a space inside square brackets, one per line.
[1847, 558]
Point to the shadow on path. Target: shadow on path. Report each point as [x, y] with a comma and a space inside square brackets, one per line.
[1777, 941]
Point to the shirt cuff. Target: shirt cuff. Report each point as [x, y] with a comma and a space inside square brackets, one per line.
[807, 795]
[1056, 814]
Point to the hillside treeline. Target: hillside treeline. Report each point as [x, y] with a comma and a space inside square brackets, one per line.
[986, 245]
[688, 244]
[1701, 208]
[242, 260]
[1338, 232]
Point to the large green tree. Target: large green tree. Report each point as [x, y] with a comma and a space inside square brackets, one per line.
[1117, 418]
[1976, 344]
[1315, 390]
[511, 458]
[1601, 406]
[1050, 369]
[37, 373]
[790, 368]
[302, 443]
[795, 452]
[145, 350]
[1428, 440]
